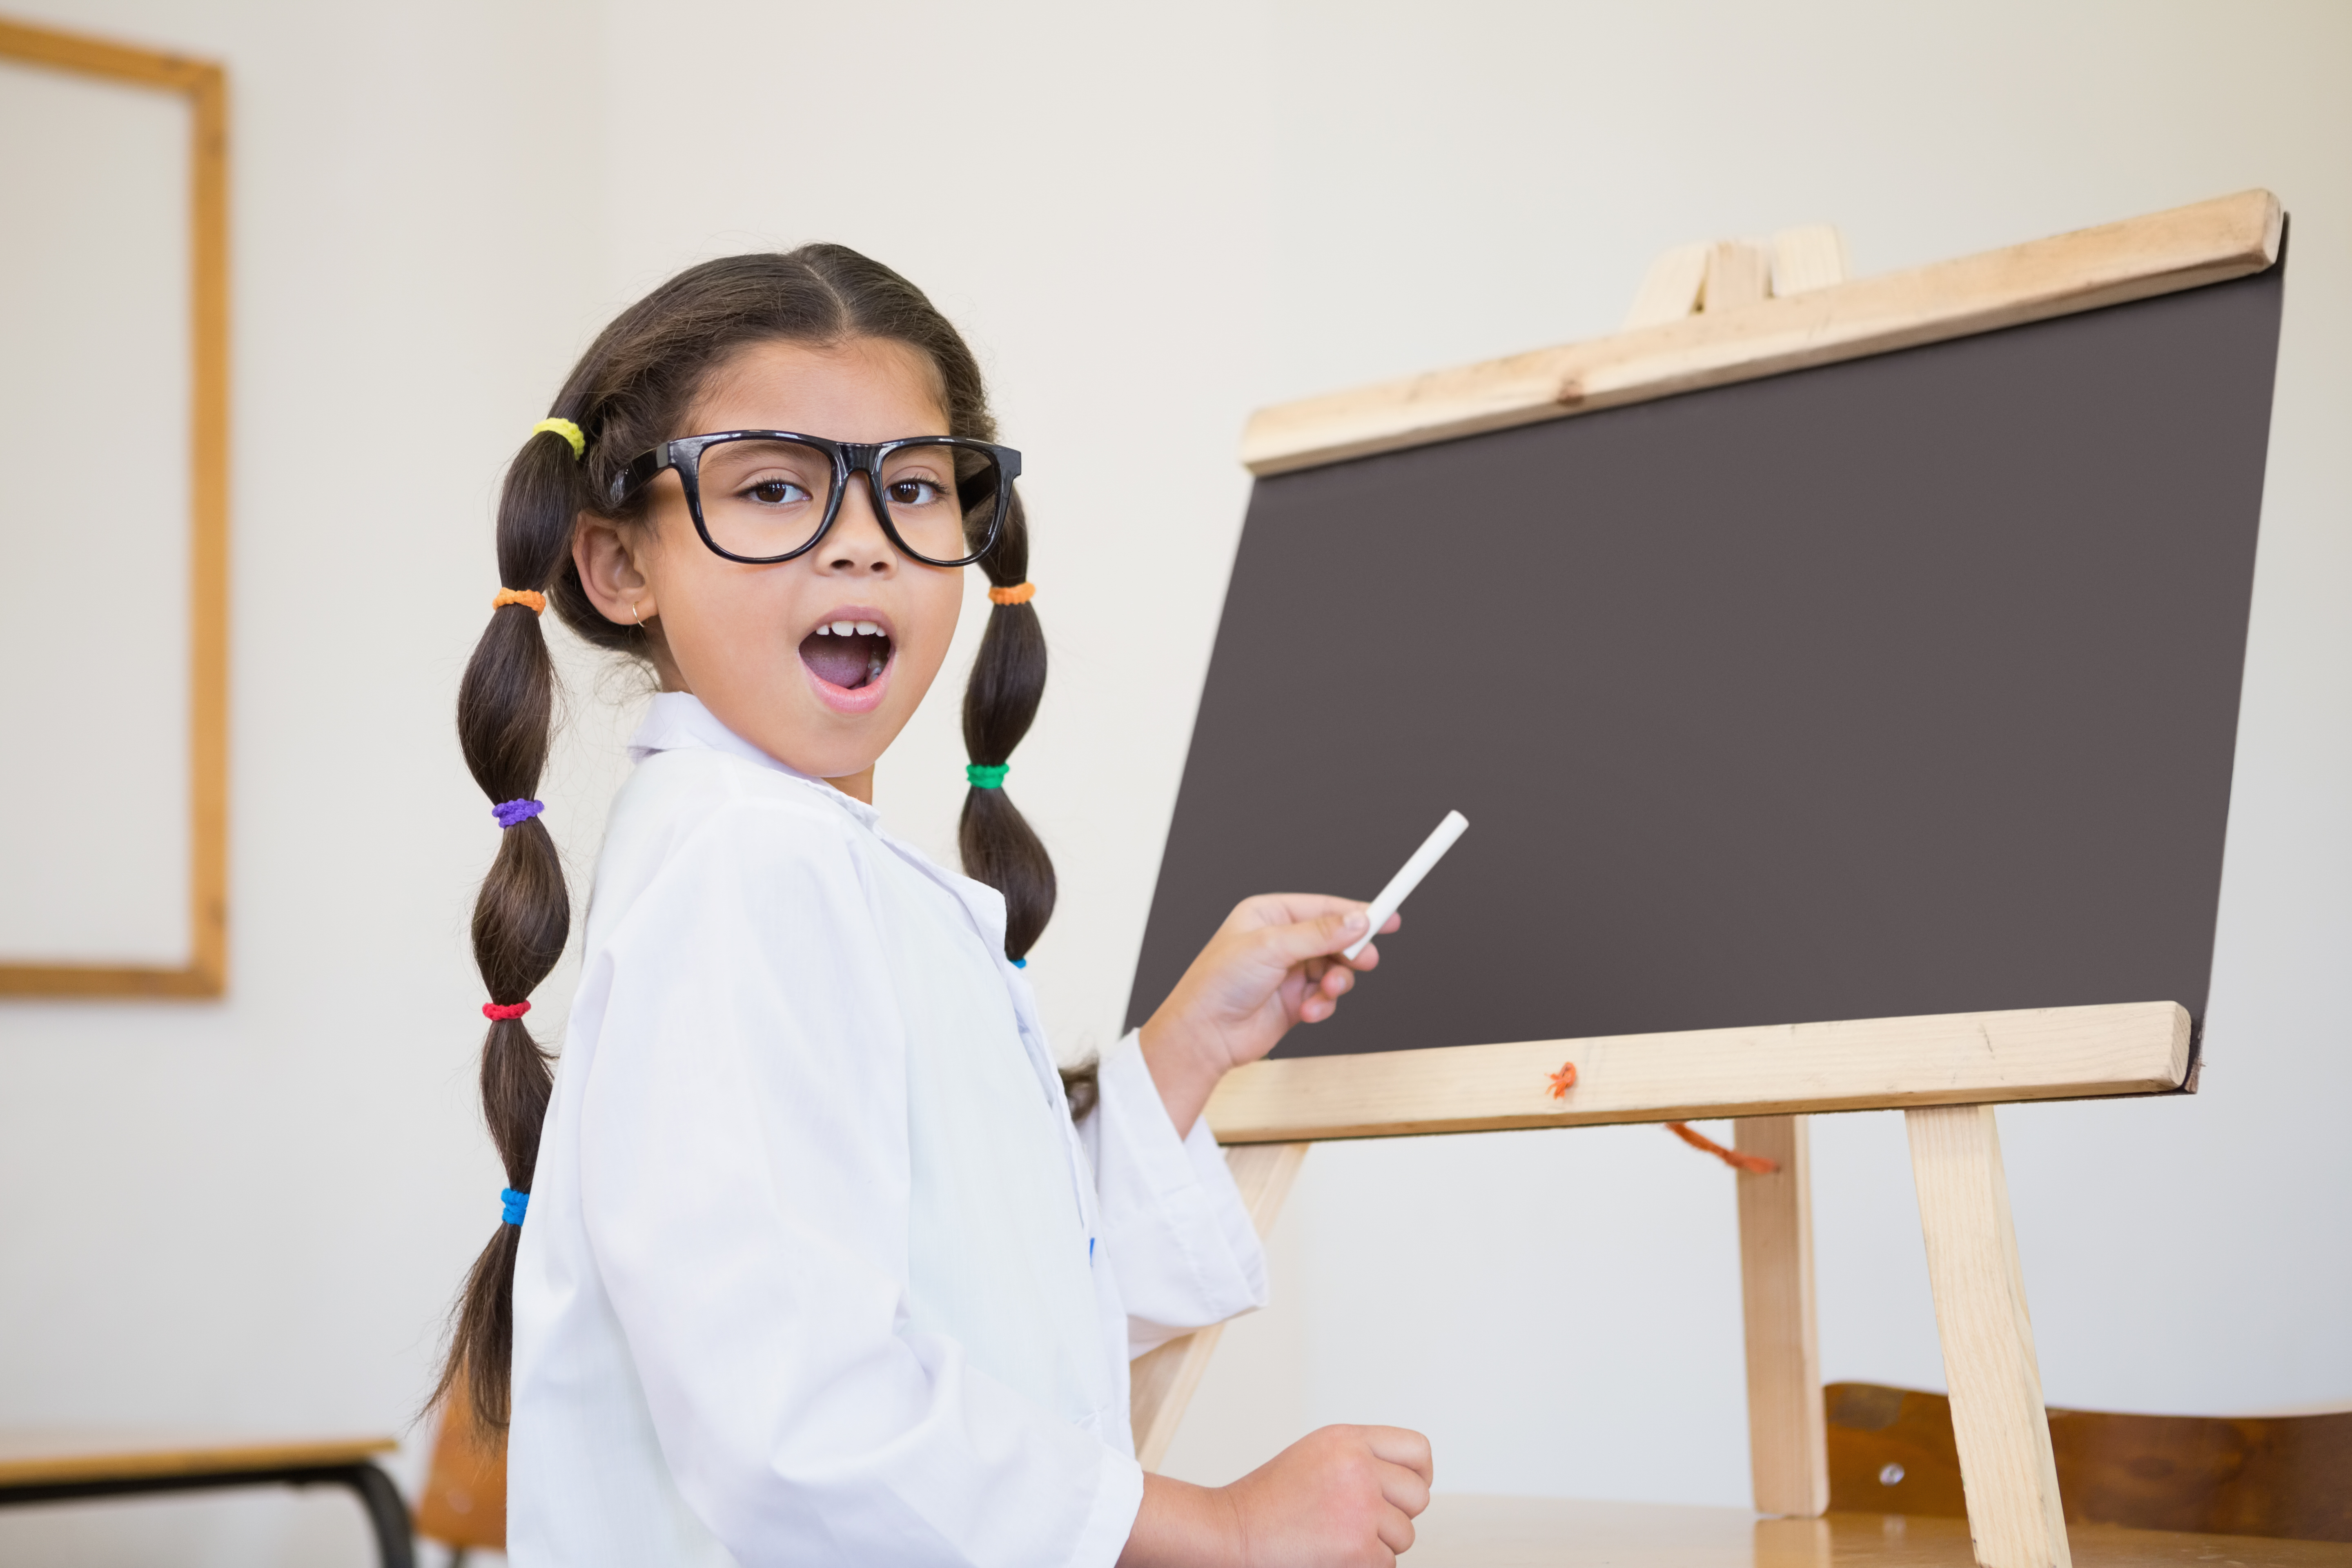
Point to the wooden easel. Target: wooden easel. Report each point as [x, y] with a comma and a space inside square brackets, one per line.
[1709, 315]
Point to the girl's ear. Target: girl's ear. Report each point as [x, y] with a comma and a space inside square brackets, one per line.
[609, 572]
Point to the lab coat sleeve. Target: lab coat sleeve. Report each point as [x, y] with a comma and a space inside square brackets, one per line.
[1177, 1236]
[744, 1182]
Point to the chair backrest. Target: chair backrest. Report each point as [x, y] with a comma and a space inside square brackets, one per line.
[464, 1503]
[1891, 1451]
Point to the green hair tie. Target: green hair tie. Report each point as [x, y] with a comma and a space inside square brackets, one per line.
[986, 775]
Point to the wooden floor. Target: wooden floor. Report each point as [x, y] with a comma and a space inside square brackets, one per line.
[1462, 1530]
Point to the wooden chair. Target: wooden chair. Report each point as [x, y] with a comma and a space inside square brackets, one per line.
[2288, 1476]
[464, 1504]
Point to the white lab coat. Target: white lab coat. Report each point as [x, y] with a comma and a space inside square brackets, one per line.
[817, 1270]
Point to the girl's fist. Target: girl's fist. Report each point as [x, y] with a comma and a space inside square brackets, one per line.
[1275, 962]
[1345, 1497]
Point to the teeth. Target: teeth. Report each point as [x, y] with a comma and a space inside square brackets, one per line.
[851, 630]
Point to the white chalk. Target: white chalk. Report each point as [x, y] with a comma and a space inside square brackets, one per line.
[1402, 885]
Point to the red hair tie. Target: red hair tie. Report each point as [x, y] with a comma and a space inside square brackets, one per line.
[497, 1011]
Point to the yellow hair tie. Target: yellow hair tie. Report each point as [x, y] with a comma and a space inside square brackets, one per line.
[568, 430]
[1019, 594]
[537, 601]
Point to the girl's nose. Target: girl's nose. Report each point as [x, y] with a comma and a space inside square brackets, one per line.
[855, 543]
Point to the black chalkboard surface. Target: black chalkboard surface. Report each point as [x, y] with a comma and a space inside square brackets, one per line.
[1901, 685]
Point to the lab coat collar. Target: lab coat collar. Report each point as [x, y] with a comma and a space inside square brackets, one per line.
[677, 722]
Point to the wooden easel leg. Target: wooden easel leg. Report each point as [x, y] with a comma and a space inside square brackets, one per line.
[1788, 1443]
[1997, 1420]
[1160, 1382]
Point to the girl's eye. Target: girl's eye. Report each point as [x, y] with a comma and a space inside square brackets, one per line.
[916, 492]
[776, 492]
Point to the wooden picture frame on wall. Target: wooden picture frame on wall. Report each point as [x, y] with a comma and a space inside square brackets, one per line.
[205, 88]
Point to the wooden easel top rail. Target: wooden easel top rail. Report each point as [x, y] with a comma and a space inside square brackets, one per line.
[1773, 308]
[1708, 316]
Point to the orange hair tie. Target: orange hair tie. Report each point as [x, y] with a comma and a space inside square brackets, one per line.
[1019, 594]
[537, 601]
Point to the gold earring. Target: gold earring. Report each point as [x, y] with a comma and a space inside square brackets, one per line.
[633, 615]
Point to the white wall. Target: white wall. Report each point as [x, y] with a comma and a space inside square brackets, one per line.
[251, 1212]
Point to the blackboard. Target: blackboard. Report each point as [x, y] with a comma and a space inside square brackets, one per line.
[1905, 685]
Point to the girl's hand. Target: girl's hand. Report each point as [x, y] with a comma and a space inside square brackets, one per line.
[1272, 964]
[1344, 1497]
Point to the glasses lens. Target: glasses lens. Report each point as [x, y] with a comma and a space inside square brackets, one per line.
[764, 499]
[942, 499]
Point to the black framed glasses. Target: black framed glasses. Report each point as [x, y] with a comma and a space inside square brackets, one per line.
[764, 496]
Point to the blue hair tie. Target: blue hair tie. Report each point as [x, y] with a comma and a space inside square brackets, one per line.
[516, 1202]
[511, 812]
[1019, 964]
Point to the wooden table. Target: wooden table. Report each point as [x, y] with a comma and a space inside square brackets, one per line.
[1466, 1531]
[64, 1467]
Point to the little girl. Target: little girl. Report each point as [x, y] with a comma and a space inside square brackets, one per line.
[824, 1262]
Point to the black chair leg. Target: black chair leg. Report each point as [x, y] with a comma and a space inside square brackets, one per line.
[395, 1546]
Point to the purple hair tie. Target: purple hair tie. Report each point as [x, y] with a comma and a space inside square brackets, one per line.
[510, 812]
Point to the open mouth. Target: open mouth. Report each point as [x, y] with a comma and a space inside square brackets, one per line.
[847, 654]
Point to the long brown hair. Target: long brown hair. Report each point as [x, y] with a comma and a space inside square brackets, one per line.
[628, 393]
